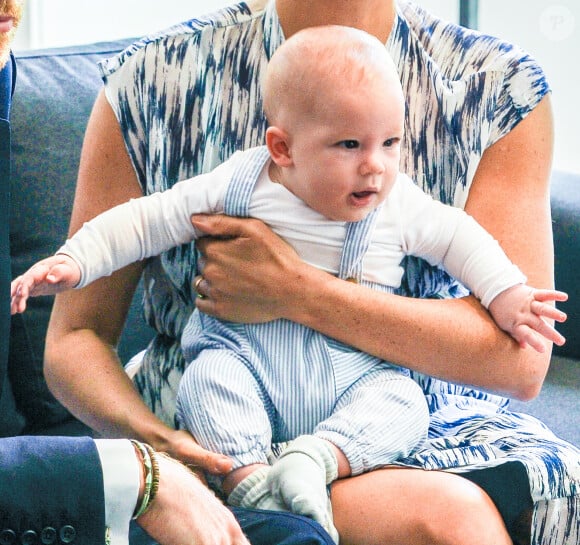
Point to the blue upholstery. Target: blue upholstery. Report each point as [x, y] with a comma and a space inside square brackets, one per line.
[565, 191]
[54, 95]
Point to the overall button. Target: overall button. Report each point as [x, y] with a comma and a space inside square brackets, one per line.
[7, 537]
[30, 537]
[67, 534]
[48, 535]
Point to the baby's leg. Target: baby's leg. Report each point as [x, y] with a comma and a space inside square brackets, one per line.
[224, 406]
[382, 417]
[221, 403]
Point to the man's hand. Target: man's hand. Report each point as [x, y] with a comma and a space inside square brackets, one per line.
[186, 511]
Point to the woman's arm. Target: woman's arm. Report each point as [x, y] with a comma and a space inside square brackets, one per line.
[81, 363]
[256, 277]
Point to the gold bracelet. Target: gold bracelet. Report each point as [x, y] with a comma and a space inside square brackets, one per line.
[148, 465]
[154, 474]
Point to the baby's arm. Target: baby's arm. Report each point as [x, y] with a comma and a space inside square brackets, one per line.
[129, 232]
[454, 239]
[47, 277]
[520, 311]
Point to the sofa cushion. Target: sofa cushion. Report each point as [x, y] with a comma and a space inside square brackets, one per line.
[54, 95]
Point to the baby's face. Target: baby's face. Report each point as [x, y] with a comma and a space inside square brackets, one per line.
[346, 152]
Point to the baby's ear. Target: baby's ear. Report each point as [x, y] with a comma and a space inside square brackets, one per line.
[278, 143]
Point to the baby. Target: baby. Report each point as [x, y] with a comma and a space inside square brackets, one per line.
[328, 182]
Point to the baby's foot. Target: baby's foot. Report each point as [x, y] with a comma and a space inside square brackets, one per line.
[253, 492]
[299, 478]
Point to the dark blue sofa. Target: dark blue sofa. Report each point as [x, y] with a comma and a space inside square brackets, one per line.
[54, 94]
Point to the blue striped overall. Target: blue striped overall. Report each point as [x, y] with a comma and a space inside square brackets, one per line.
[249, 386]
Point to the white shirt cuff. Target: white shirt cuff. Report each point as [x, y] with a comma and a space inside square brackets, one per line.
[121, 484]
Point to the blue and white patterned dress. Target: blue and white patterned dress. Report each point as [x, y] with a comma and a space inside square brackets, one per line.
[189, 97]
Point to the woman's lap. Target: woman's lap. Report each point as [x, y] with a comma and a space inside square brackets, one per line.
[414, 506]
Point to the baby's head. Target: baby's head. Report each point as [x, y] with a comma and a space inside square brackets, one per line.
[335, 109]
[321, 60]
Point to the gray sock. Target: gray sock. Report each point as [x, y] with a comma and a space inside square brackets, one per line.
[300, 476]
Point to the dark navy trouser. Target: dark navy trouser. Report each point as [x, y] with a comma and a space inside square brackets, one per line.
[264, 528]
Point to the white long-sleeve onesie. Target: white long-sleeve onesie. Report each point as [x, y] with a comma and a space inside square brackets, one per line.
[409, 223]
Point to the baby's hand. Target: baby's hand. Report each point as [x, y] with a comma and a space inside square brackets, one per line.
[47, 277]
[521, 311]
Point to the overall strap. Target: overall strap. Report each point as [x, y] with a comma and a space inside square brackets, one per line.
[356, 243]
[237, 203]
[244, 178]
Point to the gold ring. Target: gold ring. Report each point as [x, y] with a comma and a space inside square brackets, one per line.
[196, 285]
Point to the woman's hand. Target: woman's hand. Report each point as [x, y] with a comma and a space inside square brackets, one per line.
[182, 446]
[265, 271]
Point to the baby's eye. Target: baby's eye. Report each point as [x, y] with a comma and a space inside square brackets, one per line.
[390, 142]
[350, 144]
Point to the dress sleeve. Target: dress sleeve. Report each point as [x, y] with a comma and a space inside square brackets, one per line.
[144, 85]
[524, 86]
[161, 88]
[131, 89]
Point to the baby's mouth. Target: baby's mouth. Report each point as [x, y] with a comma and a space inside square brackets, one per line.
[362, 198]
[362, 194]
